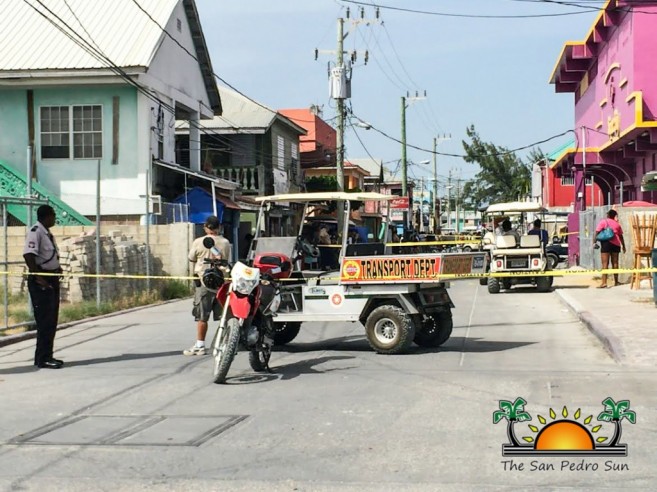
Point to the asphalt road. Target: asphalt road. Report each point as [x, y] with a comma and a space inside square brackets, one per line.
[129, 412]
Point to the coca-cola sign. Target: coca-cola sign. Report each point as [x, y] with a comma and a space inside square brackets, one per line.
[399, 203]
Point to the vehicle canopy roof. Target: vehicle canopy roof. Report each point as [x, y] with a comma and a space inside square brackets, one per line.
[327, 196]
[515, 208]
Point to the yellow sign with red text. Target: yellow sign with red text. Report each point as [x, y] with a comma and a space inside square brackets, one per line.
[419, 268]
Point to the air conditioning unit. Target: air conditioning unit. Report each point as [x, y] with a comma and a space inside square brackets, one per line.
[156, 204]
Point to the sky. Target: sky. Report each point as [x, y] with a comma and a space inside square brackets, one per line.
[490, 73]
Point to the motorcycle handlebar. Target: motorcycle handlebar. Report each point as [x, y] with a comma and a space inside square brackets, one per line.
[217, 262]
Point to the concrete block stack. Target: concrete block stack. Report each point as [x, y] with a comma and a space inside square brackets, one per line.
[122, 253]
[119, 255]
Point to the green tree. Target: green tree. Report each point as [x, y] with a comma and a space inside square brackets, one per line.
[615, 412]
[321, 183]
[512, 412]
[318, 184]
[503, 176]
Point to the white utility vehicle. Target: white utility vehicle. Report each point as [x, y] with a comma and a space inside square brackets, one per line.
[516, 252]
[400, 298]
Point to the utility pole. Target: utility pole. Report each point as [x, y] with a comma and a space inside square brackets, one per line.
[340, 89]
[458, 195]
[404, 162]
[449, 200]
[421, 224]
[436, 217]
[339, 70]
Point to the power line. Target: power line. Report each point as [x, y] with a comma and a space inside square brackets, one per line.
[100, 56]
[195, 58]
[579, 3]
[463, 156]
[471, 16]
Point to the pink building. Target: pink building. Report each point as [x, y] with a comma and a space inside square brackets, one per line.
[613, 75]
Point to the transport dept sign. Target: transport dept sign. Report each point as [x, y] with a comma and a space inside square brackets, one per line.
[419, 268]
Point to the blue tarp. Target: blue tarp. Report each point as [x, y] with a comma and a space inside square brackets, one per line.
[200, 205]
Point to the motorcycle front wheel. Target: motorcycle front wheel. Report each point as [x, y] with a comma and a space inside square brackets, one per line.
[224, 349]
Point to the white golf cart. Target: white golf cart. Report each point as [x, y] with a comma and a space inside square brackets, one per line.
[398, 298]
[516, 251]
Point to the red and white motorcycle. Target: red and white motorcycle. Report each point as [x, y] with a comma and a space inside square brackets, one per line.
[248, 302]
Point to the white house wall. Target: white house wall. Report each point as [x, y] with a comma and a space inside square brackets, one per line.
[181, 72]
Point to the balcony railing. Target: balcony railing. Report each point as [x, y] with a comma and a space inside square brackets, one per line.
[250, 178]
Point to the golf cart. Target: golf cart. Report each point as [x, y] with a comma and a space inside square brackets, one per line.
[399, 298]
[516, 251]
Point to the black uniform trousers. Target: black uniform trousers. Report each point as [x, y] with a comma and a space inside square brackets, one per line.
[45, 302]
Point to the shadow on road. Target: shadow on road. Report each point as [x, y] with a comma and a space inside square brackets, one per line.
[518, 324]
[87, 362]
[352, 343]
[295, 369]
[119, 358]
[19, 369]
[521, 289]
[480, 345]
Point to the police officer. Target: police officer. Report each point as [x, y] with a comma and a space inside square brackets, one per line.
[41, 256]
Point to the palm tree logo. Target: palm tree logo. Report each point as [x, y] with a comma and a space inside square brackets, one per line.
[564, 435]
[616, 412]
[512, 412]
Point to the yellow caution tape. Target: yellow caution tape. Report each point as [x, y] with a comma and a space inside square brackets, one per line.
[525, 273]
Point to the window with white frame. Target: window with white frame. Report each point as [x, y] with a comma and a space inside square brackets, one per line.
[71, 132]
[570, 181]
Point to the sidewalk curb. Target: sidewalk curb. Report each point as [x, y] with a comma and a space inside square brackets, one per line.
[610, 341]
[21, 337]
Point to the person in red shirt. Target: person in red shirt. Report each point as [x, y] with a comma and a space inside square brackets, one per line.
[610, 248]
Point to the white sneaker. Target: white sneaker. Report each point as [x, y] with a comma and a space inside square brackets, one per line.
[194, 350]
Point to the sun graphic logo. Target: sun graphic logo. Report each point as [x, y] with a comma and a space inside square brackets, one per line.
[351, 269]
[565, 435]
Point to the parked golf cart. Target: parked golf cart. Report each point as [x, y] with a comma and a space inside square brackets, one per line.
[511, 255]
[399, 298]
[557, 252]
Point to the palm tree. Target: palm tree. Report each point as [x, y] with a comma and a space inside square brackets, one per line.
[615, 412]
[513, 412]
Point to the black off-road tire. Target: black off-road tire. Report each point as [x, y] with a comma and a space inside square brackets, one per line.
[506, 283]
[229, 340]
[543, 284]
[483, 281]
[553, 261]
[436, 330]
[389, 330]
[286, 332]
[259, 360]
[493, 285]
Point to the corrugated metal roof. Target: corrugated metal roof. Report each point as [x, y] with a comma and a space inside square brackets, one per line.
[239, 112]
[28, 41]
